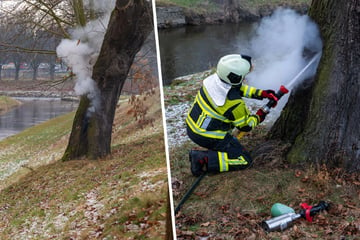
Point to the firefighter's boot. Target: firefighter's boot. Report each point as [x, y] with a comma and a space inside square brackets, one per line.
[198, 160]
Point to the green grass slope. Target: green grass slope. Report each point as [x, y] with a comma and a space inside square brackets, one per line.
[6, 103]
[122, 196]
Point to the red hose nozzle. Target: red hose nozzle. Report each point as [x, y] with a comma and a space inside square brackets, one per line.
[283, 89]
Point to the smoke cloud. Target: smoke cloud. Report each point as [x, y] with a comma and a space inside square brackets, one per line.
[81, 51]
[282, 46]
[278, 48]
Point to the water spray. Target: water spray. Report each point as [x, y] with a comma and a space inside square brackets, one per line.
[284, 89]
[302, 71]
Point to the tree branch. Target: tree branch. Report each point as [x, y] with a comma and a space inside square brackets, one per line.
[51, 13]
[14, 48]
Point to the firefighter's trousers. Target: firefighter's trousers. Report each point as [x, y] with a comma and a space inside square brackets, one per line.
[223, 154]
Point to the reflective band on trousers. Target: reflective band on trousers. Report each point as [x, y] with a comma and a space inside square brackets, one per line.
[224, 161]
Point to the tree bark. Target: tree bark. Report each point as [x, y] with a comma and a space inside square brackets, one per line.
[322, 119]
[17, 71]
[129, 25]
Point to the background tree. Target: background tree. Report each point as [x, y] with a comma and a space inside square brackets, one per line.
[3, 53]
[321, 119]
[129, 26]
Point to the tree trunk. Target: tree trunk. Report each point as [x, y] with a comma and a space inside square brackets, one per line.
[17, 71]
[52, 71]
[322, 120]
[35, 73]
[129, 25]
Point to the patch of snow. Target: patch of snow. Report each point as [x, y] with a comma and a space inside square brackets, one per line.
[145, 183]
[8, 168]
[175, 123]
[60, 221]
[92, 206]
[150, 173]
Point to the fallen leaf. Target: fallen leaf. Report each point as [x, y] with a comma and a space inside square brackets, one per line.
[205, 224]
[298, 173]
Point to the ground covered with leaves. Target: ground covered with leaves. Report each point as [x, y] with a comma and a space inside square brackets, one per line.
[122, 196]
[233, 205]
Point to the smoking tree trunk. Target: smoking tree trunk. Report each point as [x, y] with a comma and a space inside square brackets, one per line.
[322, 120]
[130, 24]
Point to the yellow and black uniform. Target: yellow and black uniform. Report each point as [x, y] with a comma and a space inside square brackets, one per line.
[209, 125]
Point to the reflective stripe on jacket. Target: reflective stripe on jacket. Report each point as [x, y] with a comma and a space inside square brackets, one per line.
[209, 120]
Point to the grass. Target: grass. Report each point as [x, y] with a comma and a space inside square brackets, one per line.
[122, 196]
[198, 6]
[6, 103]
[257, 3]
[209, 6]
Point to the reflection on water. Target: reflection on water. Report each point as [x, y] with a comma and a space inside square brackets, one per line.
[194, 49]
[32, 112]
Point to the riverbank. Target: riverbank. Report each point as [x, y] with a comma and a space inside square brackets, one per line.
[38, 89]
[122, 196]
[171, 13]
[7, 103]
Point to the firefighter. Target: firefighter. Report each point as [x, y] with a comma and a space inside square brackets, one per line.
[217, 109]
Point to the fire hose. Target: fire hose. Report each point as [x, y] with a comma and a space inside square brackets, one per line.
[188, 193]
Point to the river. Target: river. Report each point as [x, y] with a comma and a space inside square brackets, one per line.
[192, 49]
[32, 112]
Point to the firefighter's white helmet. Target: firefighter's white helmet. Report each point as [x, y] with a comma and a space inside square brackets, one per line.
[233, 68]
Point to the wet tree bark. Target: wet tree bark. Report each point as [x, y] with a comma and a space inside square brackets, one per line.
[322, 119]
[129, 26]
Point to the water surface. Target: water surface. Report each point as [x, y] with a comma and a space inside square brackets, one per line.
[192, 49]
[32, 112]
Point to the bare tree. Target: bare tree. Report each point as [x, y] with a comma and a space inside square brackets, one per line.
[322, 119]
[129, 26]
[4, 55]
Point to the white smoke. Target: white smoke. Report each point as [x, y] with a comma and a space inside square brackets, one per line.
[81, 51]
[278, 50]
[77, 56]
[102, 6]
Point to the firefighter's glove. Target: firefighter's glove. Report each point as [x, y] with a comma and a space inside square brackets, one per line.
[261, 114]
[270, 94]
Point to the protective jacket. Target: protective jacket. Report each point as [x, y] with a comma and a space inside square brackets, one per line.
[215, 112]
